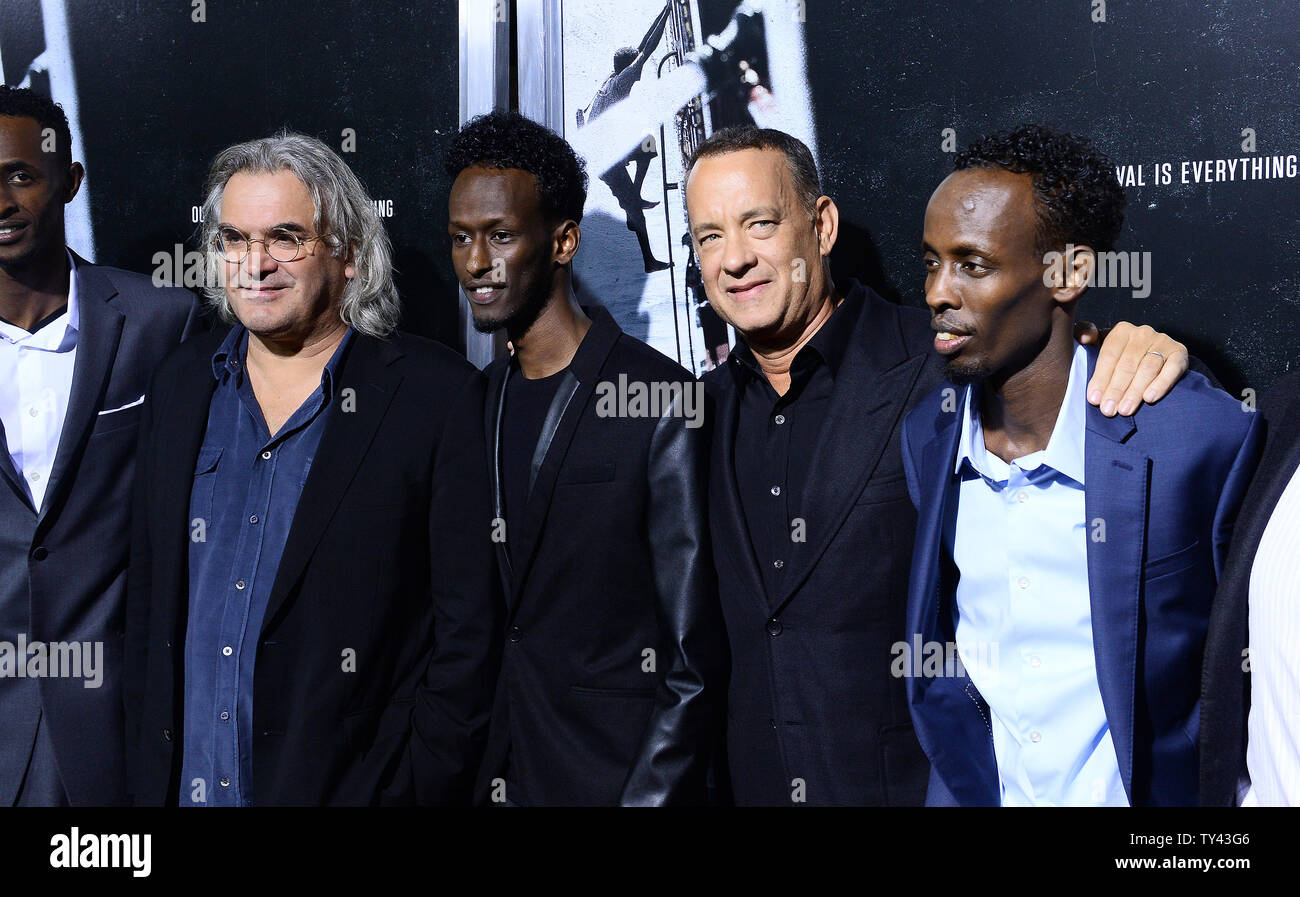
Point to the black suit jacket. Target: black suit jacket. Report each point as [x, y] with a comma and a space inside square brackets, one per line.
[389, 555]
[814, 714]
[609, 689]
[63, 570]
[1225, 684]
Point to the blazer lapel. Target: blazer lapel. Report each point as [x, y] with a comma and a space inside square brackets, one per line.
[727, 513]
[1273, 475]
[368, 368]
[561, 424]
[99, 329]
[9, 473]
[951, 717]
[1115, 496]
[498, 376]
[871, 389]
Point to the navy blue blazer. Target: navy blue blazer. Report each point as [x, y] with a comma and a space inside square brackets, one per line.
[1167, 482]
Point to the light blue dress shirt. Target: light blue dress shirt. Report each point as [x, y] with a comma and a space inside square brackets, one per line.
[1023, 612]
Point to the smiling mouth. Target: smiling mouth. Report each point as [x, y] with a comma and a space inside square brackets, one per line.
[946, 342]
[742, 293]
[9, 232]
[483, 295]
[261, 292]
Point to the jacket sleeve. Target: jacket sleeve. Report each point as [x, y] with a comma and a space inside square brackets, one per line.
[672, 764]
[454, 700]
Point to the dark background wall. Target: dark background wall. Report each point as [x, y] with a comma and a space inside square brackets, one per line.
[160, 94]
[1159, 80]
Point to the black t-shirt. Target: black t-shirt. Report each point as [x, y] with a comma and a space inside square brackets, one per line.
[527, 402]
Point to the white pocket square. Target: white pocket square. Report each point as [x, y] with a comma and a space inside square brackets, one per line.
[123, 407]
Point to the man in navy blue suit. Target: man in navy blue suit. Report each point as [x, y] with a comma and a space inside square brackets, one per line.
[1065, 562]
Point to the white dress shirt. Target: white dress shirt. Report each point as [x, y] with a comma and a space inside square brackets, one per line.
[1273, 748]
[1024, 613]
[35, 383]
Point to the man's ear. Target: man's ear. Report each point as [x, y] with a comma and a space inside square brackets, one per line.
[1079, 265]
[72, 181]
[568, 236]
[826, 217]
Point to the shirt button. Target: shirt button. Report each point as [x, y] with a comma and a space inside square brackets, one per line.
[33, 411]
[253, 519]
[774, 627]
[225, 782]
[1035, 736]
[266, 456]
[778, 564]
[780, 419]
[1035, 662]
[776, 490]
[241, 585]
[35, 476]
[225, 714]
[1023, 583]
[1022, 496]
[227, 650]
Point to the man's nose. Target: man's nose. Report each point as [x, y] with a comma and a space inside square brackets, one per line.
[478, 260]
[940, 292]
[259, 261]
[737, 257]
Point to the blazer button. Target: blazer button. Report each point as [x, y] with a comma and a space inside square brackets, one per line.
[774, 627]
[40, 553]
[515, 633]
[167, 734]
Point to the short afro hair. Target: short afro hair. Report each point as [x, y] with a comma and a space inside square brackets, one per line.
[1078, 198]
[510, 140]
[22, 102]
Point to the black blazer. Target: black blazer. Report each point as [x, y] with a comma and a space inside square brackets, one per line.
[811, 694]
[1225, 686]
[389, 554]
[63, 571]
[609, 689]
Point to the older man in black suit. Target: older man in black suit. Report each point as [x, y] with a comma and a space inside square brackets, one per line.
[312, 617]
[812, 526]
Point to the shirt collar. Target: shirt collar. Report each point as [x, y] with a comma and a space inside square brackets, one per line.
[1064, 452]
[228, 360]
[60, 335]
[828, 345]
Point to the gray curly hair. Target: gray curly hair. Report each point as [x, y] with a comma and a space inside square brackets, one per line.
[343, 209]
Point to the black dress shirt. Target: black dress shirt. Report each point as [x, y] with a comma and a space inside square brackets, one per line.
[775, 439]
[527, 402]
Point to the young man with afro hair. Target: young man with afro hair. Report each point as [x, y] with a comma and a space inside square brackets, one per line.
[608, 691]
[1071, 557]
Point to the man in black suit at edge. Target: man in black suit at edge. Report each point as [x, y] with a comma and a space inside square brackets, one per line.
[1250, 706]
[609, 689]
[77, 345]
[811, 522]
[313, 617]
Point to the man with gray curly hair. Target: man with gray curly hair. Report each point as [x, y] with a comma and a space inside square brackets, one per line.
[311, 618]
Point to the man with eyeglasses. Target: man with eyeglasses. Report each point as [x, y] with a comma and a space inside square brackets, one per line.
[312, 615]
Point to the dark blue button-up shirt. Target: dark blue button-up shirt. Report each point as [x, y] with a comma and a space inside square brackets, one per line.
[246, 489]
